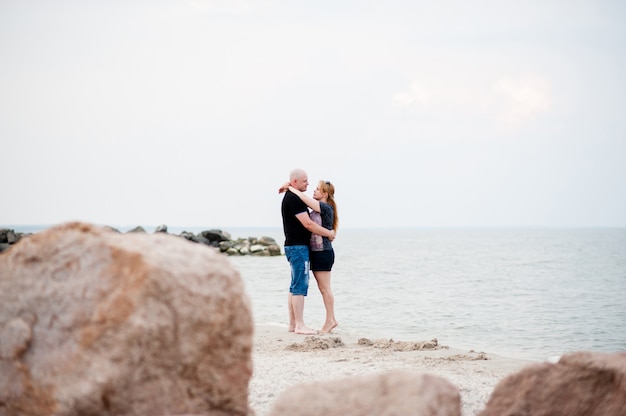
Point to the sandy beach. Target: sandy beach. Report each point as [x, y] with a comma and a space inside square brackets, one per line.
[283, 359]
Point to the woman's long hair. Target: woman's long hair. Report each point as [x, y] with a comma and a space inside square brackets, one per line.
[328, 187]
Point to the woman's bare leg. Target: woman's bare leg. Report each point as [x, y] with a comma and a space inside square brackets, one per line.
[323, 283]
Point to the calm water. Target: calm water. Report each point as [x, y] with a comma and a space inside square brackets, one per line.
[526, 293]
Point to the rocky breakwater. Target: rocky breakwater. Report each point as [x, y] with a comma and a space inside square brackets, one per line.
[9, 237]
[218, 239]
[253, 246]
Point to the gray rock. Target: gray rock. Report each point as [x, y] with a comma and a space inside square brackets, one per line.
[3, 235]
[266, 241]
[161, 229]
[215, 235]
[200, 239]
[274, 250]
[12, 238]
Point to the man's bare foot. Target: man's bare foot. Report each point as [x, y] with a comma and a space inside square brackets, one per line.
[328, 328]
[305, 331]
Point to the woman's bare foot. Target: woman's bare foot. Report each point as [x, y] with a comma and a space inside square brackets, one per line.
[328, 328]
[291, 328]
[305, 331]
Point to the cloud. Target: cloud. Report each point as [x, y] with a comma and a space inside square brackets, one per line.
[443, 99]
[505, 100]
[234, 7]
[521, 100]
[415, 96]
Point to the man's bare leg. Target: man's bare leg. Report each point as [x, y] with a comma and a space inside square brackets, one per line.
[292, 316]
[297, 301]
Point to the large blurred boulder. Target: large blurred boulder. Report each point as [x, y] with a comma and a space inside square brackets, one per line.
[580, 384]
[392, 393]
[94, 322]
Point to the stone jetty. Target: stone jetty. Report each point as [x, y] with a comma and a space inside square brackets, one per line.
[216, 238]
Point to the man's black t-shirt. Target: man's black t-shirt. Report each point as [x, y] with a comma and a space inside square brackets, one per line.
[295, 233]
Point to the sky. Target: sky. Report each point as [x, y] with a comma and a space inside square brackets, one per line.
[422, 114]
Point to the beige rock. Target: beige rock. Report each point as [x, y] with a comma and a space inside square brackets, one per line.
[93, 322]
[580, 384]
[396, 393]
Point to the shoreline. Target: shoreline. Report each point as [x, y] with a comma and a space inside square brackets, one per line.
[282, 359]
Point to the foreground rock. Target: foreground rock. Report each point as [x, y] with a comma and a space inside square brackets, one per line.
[94, 322]
[580, 384]
[393, 393]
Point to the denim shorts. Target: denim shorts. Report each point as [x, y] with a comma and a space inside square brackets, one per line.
[298, 257]
[322, 261]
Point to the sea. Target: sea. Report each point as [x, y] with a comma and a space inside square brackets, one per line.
[527, 293]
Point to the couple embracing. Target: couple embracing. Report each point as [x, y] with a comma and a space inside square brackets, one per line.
[308, 239]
